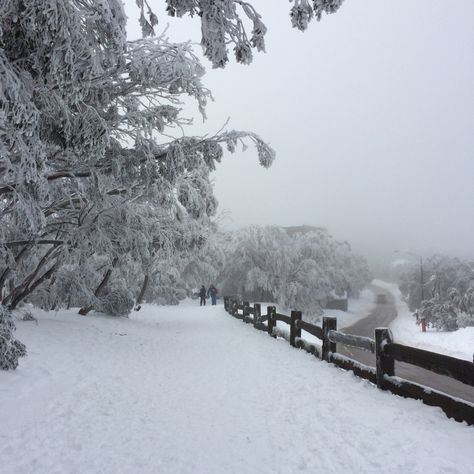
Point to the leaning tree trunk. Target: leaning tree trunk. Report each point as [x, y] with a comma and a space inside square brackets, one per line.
[142, 293]
[27, 286]
[7, 271]
[86, 309]
[29, 289]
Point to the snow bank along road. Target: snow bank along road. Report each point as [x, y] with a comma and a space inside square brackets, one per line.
[192, 390]
[381, 316]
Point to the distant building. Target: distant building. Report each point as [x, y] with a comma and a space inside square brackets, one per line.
[337, 302]
[302, 229]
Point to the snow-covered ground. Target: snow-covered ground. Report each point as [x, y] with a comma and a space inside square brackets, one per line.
[458, 343]
[192, 390]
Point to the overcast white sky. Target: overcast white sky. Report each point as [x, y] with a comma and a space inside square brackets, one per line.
[371, 112]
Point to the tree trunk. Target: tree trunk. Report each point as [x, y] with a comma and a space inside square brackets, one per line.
[86, 309]
[7, 271]
[17, 293]
[3, 278]
[29, 289]
[142, 293]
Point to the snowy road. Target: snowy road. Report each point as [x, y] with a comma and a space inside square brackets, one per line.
[193, 390]
[381, 316]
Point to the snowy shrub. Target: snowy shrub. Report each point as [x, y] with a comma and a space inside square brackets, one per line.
[465, 320]
[451, 312]
[439, 315]
[28, 316]
[166, 295]
[10, 349]
[116, 302]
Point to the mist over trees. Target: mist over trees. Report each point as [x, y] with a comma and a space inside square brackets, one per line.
[448, 292]
[273, 264]
[301, 270]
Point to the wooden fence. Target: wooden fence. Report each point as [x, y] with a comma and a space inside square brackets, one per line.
[385, 349]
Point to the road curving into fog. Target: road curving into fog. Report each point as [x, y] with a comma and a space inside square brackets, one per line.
[381, 316]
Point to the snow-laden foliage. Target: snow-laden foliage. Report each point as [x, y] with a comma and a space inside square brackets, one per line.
[448, 292]
[95, 191]
[226, 22]
[301, 270]
[206, 266]
[439, 314]
[451, 312]
[440, 274]
[10, 348]
[221, 24]
[116, 302]
[303, 11]
[179, 277]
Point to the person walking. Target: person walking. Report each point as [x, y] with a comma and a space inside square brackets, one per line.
[212, 292]
[202, 295]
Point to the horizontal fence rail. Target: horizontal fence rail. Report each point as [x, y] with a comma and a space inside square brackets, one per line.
[461, 370]
[360, 342]
[310, 328]
[386, 353]
[282, 318]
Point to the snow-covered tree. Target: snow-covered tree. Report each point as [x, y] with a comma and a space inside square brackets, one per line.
[206, 265]
[465, 305]
[439, 314]
[86, 170]
[447, 289]
[10, 348]
[450, 312]
[256, 262]
[301, 270]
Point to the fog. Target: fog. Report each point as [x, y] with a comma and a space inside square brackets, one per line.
[371, 113]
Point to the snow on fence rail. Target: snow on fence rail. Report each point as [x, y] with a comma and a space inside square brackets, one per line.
[385, 349]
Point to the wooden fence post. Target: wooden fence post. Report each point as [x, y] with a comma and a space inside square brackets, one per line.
[271, 323]
[294, 331]
[329, 324]
[245, 311]
[384, 363]
[257, 311]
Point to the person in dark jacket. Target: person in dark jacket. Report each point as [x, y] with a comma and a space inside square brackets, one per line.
[202, 295]
[212, 292]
